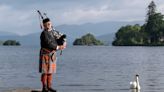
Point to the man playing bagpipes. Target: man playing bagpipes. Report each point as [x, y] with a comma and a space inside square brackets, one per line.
[50, 41]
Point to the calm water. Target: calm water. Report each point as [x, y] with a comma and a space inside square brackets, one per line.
[86, 69]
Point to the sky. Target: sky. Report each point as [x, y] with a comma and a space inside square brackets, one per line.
[20, 16]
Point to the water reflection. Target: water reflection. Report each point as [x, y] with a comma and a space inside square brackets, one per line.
[135, 90]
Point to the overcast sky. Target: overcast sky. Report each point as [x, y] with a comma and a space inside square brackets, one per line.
[20, 16]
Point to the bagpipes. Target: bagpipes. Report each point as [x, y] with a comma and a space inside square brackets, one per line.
[61, 38]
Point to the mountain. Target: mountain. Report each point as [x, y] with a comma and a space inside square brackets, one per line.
[100, 30]
[8, 36]
[95, 28]
[103, 30]
[30, 39]
[107, 38]
[2, 33]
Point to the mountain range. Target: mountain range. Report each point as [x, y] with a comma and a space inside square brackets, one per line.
[104, 31]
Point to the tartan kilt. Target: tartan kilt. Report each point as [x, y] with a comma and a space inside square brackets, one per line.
[47, 61]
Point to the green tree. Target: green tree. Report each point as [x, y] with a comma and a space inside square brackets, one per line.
[87, 39]
[78, 41]
[153, 27]
[128, 35]
[154, 24]
[151, 9]
[11, 42]
[150, 33]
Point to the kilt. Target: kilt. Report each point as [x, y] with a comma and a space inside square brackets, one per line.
[47, 61]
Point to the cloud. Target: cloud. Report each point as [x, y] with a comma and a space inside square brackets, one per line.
[161, 8]
[99, 14]
[21, 17]
[122, 10]
[13, 20]
[83, 15]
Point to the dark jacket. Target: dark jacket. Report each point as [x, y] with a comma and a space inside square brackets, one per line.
[48, 40]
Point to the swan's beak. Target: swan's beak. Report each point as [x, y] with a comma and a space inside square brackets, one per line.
[137, 75]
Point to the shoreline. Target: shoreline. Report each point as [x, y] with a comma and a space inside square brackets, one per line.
[23, 90]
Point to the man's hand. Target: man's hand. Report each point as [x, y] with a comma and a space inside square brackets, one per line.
[64, 44]
[62, 47]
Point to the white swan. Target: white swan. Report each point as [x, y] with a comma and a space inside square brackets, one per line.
[135, 84]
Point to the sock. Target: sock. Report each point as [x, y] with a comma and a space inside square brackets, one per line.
[49, 80]
[44, 80]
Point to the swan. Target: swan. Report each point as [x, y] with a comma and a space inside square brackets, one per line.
[135, 84]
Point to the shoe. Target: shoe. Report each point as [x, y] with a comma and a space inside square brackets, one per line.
[44, 89]
[51, 90]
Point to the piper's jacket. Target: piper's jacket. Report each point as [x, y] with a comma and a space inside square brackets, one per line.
[48, 40]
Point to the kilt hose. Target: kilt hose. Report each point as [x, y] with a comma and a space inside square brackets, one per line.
[47, 61]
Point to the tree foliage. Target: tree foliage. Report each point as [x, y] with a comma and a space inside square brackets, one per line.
[129, 35]
[151, 9]
[11, 42]
[87, 39]
[150, 33]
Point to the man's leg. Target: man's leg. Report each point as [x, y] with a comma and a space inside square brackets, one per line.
[49, 83]
[44, 82]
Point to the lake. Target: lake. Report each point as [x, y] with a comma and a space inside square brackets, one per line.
[86, 68]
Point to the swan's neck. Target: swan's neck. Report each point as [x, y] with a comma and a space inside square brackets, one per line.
[137, 81]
